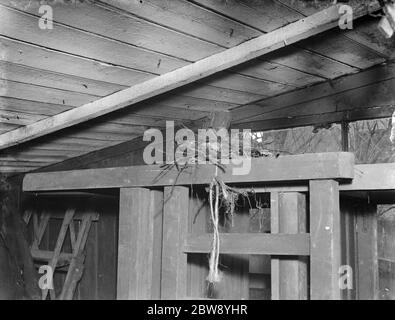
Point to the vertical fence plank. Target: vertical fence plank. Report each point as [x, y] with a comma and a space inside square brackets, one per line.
[290, 273]
[135, 246]
[156, 210]
[175, 228]
[366, 225]
[325, 253]
[349, 245]
[198, 263]
[275, 262]
[293, 270]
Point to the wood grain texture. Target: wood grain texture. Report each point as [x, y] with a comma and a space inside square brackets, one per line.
[301, 168]
[325, 250]
[374, 77]
[200, 69]
[175, 228]
[135, 244]
[291, 282]
[240, 243]
[24, 27]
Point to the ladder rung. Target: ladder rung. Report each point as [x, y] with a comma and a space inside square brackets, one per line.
[45, 255]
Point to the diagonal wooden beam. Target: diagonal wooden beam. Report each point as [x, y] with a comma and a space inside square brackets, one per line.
[302, 29]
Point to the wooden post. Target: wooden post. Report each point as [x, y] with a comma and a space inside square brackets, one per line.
[136, 242]
[367, 257]
[198, 263]
[325, 240]
[157, 211]
[349, 244]
[289, 274]
[175, 229]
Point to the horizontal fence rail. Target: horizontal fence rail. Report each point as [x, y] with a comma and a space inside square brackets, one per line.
[249, 243]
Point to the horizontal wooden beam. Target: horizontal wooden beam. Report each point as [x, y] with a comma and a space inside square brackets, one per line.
[374, 112]
[252, 243]
[332, 165]
[246, 51]
[380, 176]
[44, 255]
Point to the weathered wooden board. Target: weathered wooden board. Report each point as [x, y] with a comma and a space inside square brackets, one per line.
[261, 69]
[376, 76]
[135, 244]
[325, 248]
[379, 176]
[108, 75]
[247, 51]
[135, 31]
[26, 91]
[317, 119]
[197, 263]
[18, 118]
[247, 84]
[290, 280]
[19, 73]
[309, 62]
[263, 15]
[367, 252]
[31, 107]
[374, 95]
[267, 16]
[156, 209]
[24, 27]
[4, 127]
[41, 57]
[288, 168]
[367, 34]
[254, 243]
[175, 228]
[335, 45]
[189, 18]
[348, 246]
[364, 32]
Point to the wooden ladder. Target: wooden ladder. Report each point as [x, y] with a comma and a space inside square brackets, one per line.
[74, 261]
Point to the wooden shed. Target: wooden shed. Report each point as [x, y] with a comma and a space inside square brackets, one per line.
[85, 87]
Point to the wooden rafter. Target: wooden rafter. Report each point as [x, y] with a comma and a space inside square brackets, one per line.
[246, 51]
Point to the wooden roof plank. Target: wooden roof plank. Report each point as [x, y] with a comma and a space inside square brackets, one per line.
[40, 57]
[334, 45]
[363, 79]
[246, 84]
[189, 18]
[22, 26]
[269, 15]
[27, 91]
[278, 73]
[265, 16]
[31, 107]
[317, 119]
[94, 78]
[39, 77]
[246, 51]
[310, 62]
[19, 118]
[4, 127]
[127, 28]
[366, 34]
